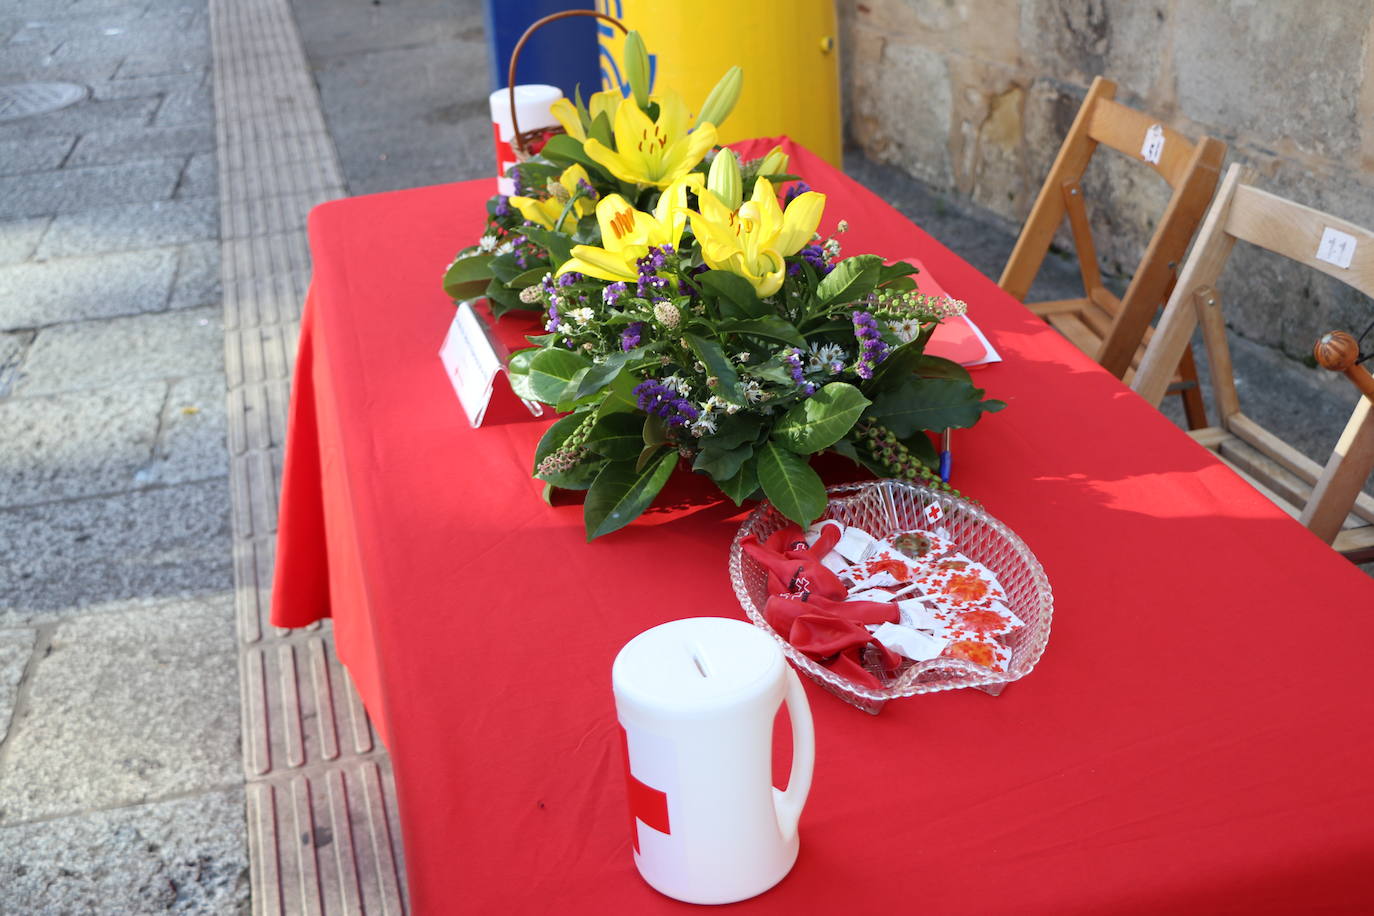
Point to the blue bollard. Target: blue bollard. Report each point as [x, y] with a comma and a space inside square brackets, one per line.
[562, 54]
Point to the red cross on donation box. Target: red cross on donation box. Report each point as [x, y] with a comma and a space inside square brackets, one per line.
[647, 804]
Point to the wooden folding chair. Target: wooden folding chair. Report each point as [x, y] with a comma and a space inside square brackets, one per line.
[1327, 500]
[1109, 329]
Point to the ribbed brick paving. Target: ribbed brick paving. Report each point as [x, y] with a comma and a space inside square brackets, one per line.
[321, 814]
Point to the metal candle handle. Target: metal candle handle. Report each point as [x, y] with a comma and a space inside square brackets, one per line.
[517, 138]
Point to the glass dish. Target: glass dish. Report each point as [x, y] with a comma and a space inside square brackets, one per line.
[885, 508]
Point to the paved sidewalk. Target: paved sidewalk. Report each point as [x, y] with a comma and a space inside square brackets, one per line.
[121, 788]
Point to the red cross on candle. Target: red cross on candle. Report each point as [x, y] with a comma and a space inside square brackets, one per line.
[647, 804]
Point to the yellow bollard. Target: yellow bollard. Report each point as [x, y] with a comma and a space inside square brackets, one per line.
[788, 50]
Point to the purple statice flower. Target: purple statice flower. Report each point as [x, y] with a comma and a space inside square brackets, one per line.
[872, 349]
[795, 191]
[815, 256]
[611, 294]
[552, 323]
[649, 266]
[793, 358]
[664, 402]
[629, 338]
[502, 208]
[587, 190]
[569, 278]
[519, 181]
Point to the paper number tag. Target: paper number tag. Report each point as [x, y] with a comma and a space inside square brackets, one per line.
[1153, 147]
[472, 362]
[1336, 247]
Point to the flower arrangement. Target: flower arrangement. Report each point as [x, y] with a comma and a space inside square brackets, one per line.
[686, 322]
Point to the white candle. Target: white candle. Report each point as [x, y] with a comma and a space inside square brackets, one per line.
[532, 103]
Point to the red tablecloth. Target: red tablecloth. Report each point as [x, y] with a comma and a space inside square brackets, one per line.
[1198, 734]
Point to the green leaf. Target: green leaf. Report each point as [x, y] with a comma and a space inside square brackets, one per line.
[822, 419]
[846, 448]
[851, 280]
[619, 494]
[733, 430]
[713, 358]
[468, 277]
[930, 403]
[770, 326]
[503, 299]
[723, 464]
[604, 372]
[744, 484]
[655, 432]
[550, 372]
[566, 150]
[889, 272]
[618, 436]
[558, 246]
[924, 450]
[618, 396]
[734, 289]
[504, 268]
[645, 455]
[939, 367]
[790, 484]
[528, 277]
[518, 370]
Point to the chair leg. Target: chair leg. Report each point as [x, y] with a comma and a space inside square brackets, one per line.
[1194, 408]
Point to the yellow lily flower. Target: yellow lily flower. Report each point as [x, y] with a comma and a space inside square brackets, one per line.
[653, 152]
[545, 212]
[753, 240]
[566, 113]
[627, 234]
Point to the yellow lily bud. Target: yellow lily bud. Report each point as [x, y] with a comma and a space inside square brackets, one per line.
[637, 68]
[775, 163]
[724, 179]
[722, 99]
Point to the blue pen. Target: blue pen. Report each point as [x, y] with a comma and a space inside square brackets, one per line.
[944, 456]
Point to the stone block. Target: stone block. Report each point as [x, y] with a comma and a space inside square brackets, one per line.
[164, 542]
[35, 294]
[19, 238]
[902, 114]
[1127, 41]
[1288, 74]
[128, 707]
[200, 177]
[78, 444]
[198, 277]
[193, 105]
[191, 438]
[977, 28]
[141, 142]
[16, 648]
[191, 60]
[69, 190]
[34, 154]
[13, 348]
[82, 117]
[96, 354]
[131, 227]
[186, 856]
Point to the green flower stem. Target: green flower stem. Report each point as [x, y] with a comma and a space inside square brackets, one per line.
[884, 449]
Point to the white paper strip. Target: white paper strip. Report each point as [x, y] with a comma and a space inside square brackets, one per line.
[1336, 247]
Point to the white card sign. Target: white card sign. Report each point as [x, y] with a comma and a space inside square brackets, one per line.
[1153, 147]
[473, 359]
[1336, 247]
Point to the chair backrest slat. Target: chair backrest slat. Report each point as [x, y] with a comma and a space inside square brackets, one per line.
[1296, 232]
[1126, 130]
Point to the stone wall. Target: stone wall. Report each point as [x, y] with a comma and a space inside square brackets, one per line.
[975, 97]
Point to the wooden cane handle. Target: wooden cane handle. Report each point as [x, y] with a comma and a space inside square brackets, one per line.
[1340, 352]
[517, 138]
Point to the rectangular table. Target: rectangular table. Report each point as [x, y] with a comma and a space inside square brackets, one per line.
[1198, 733]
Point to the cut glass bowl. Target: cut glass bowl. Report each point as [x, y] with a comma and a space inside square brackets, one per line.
[885, 508]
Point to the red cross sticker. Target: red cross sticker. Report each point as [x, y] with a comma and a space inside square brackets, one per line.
[647, 804]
